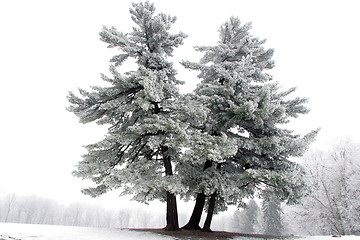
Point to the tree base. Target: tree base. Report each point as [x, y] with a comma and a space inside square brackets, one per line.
[206, 229]
[171, 228]
[191, 227]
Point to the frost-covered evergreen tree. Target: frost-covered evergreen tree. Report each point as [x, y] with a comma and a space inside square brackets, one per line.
[246, 220]
[249, 112]
[271, 207]
[144, 137]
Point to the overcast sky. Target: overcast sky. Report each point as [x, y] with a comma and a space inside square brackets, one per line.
[48, 48]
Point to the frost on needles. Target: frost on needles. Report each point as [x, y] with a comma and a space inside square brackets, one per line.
[225, 141]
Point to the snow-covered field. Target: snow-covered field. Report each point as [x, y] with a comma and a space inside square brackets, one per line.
[13, 231]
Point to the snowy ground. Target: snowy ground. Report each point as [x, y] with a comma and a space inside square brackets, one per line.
[13, 231]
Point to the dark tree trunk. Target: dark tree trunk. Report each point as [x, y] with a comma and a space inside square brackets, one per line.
[195, 218]
[172, 222]
[211, 208]
[210, 213]
[194, 222]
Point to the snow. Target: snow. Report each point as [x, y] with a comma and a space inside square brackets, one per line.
[310, 238]
[329, 238]
[11, 231]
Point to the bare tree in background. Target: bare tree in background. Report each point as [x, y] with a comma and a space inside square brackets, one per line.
[333, 206]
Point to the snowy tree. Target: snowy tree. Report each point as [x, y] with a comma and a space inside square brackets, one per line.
[247, 110]
[140, 107]
[7, 206]
[271, 207]
[246, 220]
[333, 206]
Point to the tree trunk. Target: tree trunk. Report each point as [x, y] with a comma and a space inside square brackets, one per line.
[172, 222]
[210, 213]
[195, 218]
[211, 209]
[194, 222]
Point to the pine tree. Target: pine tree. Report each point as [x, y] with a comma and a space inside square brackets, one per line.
[246, 220]
[140, 107]
[271, 207]
[248, 110]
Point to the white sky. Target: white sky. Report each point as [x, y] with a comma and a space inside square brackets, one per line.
[48, 48]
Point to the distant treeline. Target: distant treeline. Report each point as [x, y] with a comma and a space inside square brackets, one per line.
[38, 210]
